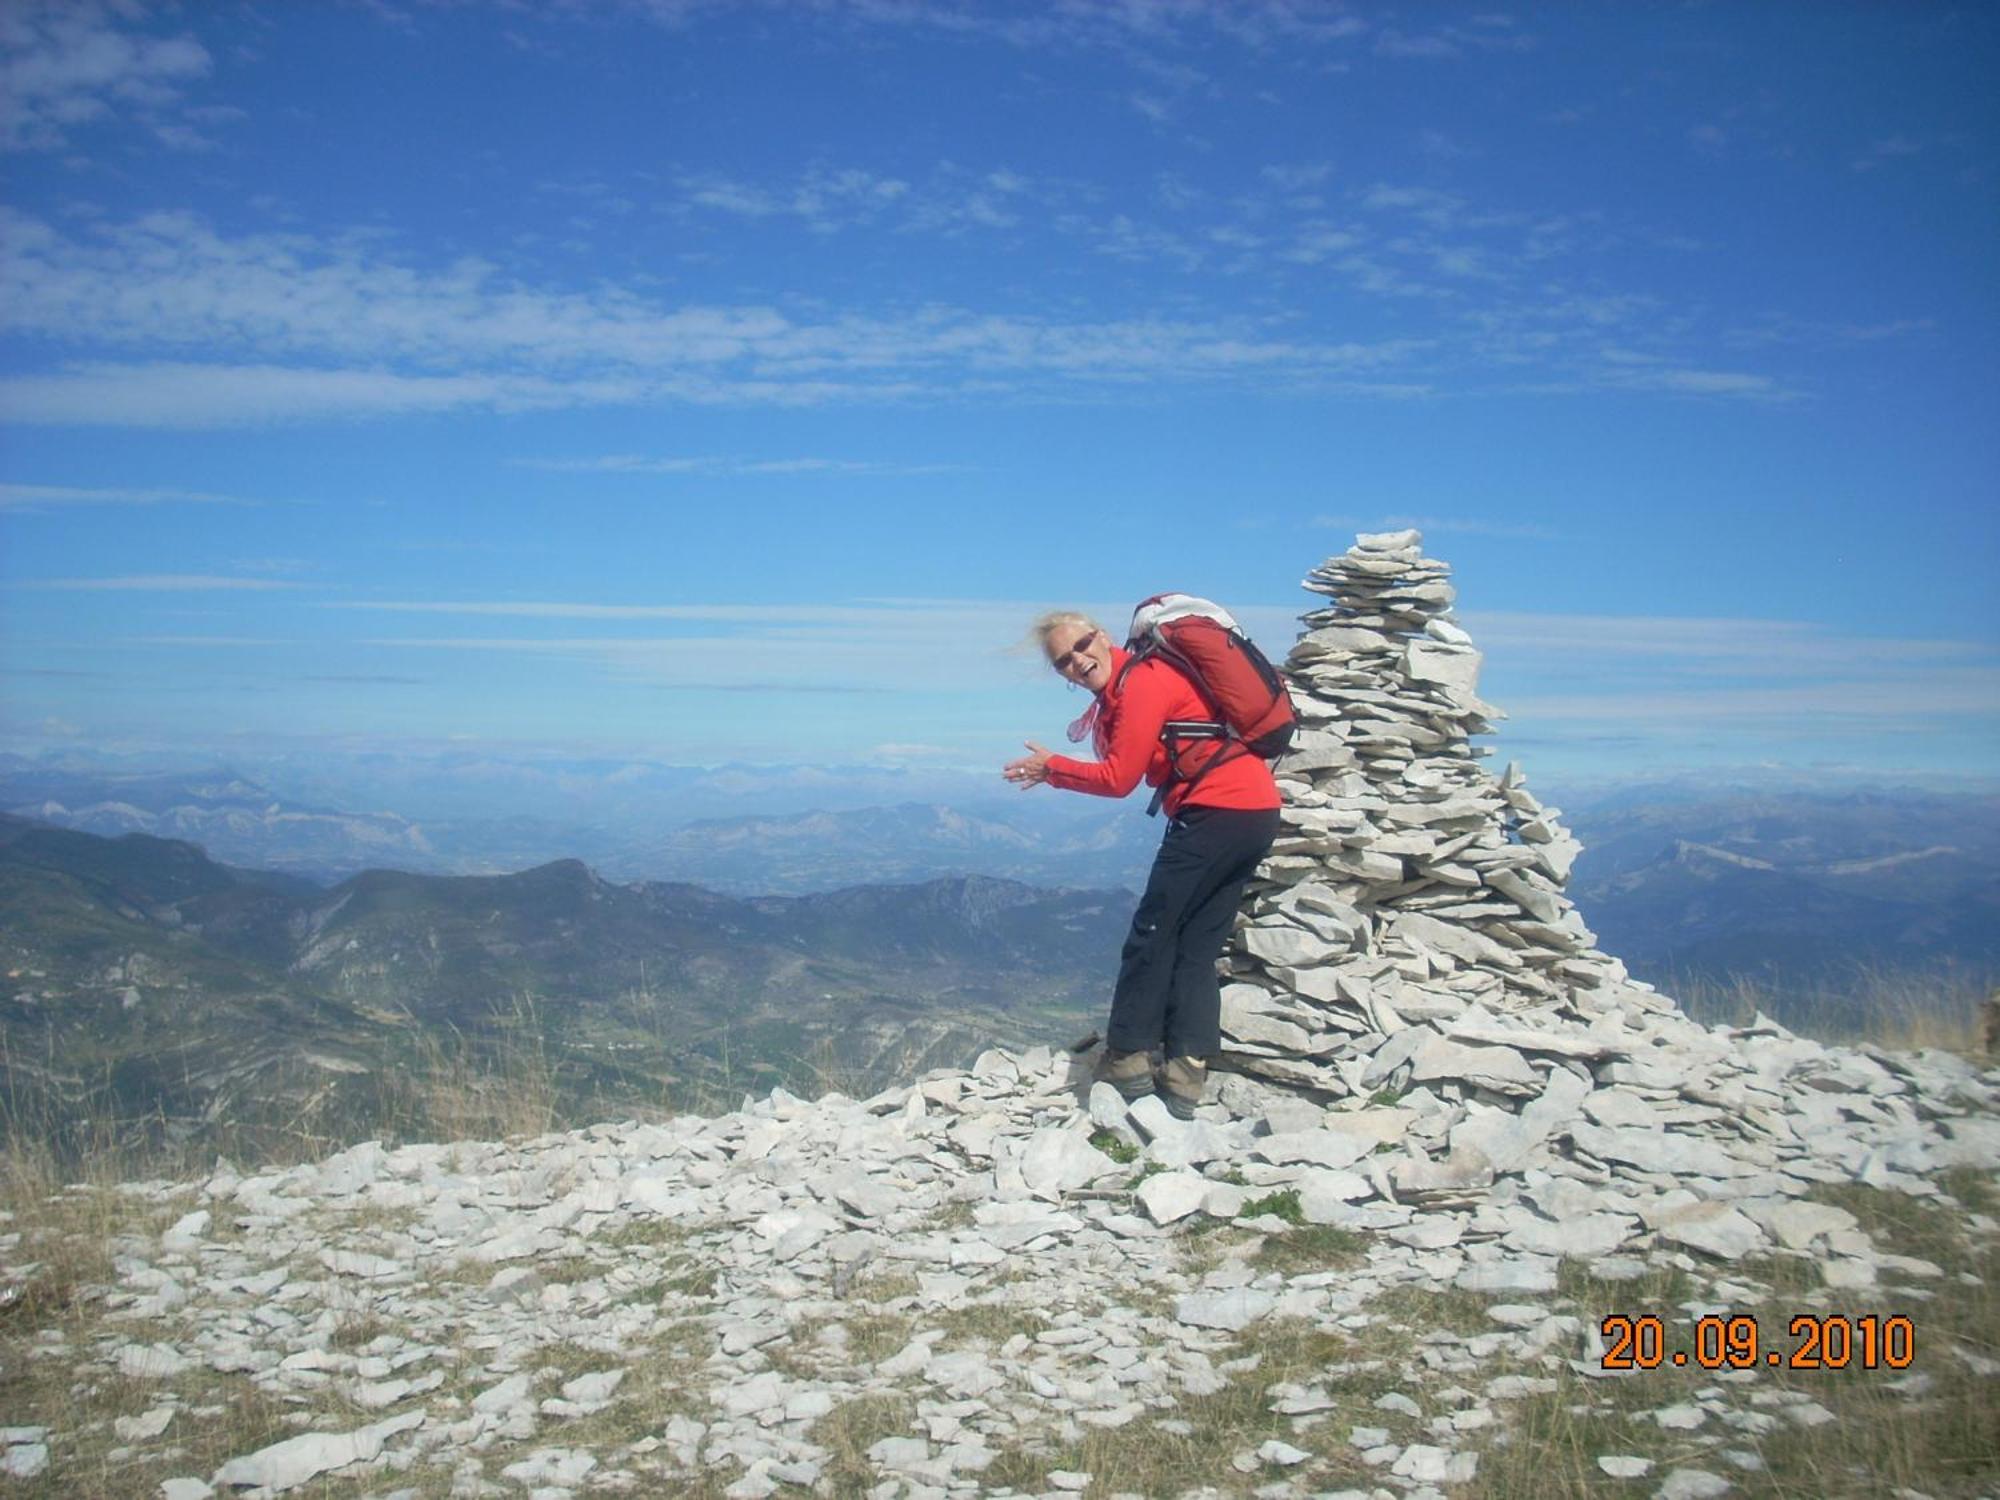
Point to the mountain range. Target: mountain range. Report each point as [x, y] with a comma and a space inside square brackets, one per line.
[142, 978]
[1799, 882]
[1788, 881]
[281, 960]
[240, 820]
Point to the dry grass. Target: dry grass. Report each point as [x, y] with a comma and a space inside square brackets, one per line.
[1145, 1457]
[850, 1430]
[1313, 1247]
[1903, 1009]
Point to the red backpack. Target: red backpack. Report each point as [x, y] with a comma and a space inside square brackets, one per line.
[1251, 711]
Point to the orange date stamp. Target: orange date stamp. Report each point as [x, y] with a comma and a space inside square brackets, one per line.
[1811, 1341]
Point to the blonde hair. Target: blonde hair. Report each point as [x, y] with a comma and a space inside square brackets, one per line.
[1039, 631]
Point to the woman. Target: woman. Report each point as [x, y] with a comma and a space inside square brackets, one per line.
[1168, 998]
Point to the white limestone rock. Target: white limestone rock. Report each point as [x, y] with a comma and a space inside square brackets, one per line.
[1692, 1484]
[152, 1361]
[1282, 1455]
[1325, 1197]
[1501, 1069]
[25, 1460]
[1799, 1224]
[1425, 1463]
[1582, 1238]
[287, 1465]
[1231, 1311]
[1515, 1275]
[1319, 1147]
[145, 1427]
[1058, 1158]
[187, 1232]
[1169, 1197]
[1670, 1152]
[1711, 1227]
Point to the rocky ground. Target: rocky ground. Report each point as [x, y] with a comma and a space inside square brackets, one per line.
[997, 1282]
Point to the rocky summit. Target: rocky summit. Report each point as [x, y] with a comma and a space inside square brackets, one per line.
[1453, 1146]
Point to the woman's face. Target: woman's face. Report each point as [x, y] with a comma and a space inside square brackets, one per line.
[1082, 654]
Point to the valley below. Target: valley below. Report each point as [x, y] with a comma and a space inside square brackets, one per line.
[150, 992]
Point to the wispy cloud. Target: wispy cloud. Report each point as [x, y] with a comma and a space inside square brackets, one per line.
[1297, 177]
[361, 335]
[1734, 383]
[1744, 647]
[888, 614]
[1893, 705]
[369, 679]
[160, 583]
[202, 642]
[1392, 42]
[67, 64]
[825, 200]
[178, 394]
[38, 497]
[303, 327]
[1465, 526]
[1822, 333]
[1138, 29]
[1881, 153]
[856, 645]
[949, 199]
[1592, 673]
[633, 463]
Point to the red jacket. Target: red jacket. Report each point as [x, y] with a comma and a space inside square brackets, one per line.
[1130, 716]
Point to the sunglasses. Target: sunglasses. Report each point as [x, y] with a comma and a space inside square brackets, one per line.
[1068, 661]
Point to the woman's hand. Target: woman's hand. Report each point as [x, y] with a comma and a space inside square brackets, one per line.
[1029, 770]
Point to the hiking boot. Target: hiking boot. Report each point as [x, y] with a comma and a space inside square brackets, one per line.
[1181, 1082]
[1131, 1073]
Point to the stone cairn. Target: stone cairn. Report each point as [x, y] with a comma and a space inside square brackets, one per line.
[1409, 884]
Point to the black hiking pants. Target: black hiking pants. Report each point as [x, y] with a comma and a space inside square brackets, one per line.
[1168, 995]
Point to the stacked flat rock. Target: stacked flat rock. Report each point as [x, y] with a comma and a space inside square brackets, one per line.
[1409, 884]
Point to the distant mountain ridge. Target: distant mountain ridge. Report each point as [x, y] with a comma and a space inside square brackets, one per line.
[1796, 887]
[1806, 889]
[240, 821]
[233, 817]
[141, 976]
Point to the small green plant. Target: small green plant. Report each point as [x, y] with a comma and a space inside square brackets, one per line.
[1283, 1204]
[1118, 1150]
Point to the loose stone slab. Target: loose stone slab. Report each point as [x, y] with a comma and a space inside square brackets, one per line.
[1624, 1466]
[1516, 1275]
[1320, 1148]
[1169, 1197]
[1711, 1227]
[1231, 1311]
[291, 1463]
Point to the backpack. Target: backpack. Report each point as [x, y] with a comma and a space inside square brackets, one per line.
[1251, 712]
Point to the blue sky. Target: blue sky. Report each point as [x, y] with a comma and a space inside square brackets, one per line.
[697, 382]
